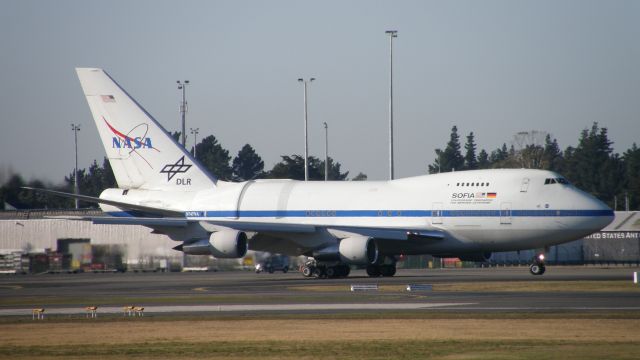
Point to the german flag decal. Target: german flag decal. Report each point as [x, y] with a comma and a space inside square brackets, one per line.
[492, 195]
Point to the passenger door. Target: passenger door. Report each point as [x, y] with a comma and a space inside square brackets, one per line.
[436, 213]
[525, 185]
[505, 213]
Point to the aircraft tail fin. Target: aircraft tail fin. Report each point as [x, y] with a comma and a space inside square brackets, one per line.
[142, 153]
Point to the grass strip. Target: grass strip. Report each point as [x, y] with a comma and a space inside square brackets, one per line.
[362, 349]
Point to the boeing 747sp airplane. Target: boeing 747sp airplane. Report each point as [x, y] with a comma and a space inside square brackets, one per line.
[465, 214]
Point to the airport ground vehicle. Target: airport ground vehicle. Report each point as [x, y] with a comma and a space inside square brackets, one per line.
[272, 264]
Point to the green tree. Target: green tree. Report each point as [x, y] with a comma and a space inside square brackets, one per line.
[483, 160]
[247, 165]
[292, 167]
[499, 155]
[470, 160]
[214, 158]
[451, 158]
[334, 171]
[593, 167]
[360, 177]
[631, 160]
[552, 155]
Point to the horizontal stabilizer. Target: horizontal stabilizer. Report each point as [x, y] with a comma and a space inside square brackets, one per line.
[122, 205]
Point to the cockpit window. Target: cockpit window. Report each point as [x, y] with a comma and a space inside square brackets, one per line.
[562, 181]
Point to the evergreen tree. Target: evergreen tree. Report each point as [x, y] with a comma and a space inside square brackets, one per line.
[360, 177]
[214, 158]
[436, 166]
[631, 160]
[592, 167]
[552, 155]
[499, 155]
[470, 160]
[483, 160]
[451, 158]
[292, 167]
[334, 171]
[247, 165]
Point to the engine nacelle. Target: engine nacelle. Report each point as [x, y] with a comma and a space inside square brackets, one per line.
[358, 250]
[228, 244]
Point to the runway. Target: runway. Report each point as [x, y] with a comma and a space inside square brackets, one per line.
[247, 292]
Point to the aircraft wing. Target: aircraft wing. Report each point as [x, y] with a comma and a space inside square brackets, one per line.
[338, 231]
[155, 217]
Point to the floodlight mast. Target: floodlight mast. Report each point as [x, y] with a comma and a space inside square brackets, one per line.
[392, 34]
[306, 133]
[183, 109]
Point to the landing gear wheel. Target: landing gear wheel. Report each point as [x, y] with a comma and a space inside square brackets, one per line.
[307, 271]
[332, 272]
[285, 269]
[321, 273]
[537, 269]
[387, 270]
[373, 270]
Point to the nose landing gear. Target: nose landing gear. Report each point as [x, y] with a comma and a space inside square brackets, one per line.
[537, 266]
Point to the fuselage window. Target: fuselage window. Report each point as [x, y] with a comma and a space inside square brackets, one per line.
[467, 184]
[487, 184]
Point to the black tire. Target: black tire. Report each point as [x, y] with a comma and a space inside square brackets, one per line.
[331, 272]
[285, 269]
[270, 270]
[537, 269]
[387, 270]
[373, 270]
[307, 271]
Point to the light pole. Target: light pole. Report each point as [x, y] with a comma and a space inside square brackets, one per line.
[194, 132]
[392, 34]
[183, 109]
[306, 136]
[75, 128]
[326, 151]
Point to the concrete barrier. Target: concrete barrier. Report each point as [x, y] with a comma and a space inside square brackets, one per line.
[364, 287]
[419, 287]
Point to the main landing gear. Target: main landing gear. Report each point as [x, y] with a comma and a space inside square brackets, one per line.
[325, 271]
[537, 265]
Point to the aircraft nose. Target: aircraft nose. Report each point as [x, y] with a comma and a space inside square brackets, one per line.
[600, 214]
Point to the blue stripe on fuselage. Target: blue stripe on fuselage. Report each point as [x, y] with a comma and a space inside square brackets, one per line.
[401, 213]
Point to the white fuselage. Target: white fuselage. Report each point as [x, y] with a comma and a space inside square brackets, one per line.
[478, 211]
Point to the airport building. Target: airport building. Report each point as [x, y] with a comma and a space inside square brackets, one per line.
[36, 241]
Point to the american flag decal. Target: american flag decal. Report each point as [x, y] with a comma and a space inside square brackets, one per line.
[108, 98]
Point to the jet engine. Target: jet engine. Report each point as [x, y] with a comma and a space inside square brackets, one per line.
[225, 244]
[356, 250]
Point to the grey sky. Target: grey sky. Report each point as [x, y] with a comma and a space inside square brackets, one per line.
[491, 67]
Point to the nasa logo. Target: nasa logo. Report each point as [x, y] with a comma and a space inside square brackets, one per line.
[135, 139]
[126, 143]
